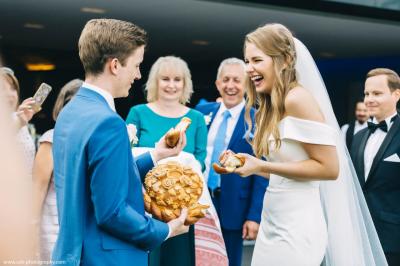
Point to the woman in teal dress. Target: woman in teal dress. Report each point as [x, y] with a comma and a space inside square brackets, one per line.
[169, 87]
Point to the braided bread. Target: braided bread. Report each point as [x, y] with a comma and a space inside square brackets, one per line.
[171, 187]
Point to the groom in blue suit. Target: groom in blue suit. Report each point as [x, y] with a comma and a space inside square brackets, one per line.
[238, 200]
[98, 183]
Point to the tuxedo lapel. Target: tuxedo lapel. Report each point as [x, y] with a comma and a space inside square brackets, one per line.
[350, 134]
[388, 139]
[360, 157]
[239, 130]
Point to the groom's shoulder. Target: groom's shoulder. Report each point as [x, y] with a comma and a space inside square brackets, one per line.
[110, 118]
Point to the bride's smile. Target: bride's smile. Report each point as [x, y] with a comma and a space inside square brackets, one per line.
[259, 67]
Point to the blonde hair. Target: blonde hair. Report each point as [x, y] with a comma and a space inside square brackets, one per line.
[102, 39]
[276, 41]
[169, 62]
[10, 78]
[393, 79]
[66, 93]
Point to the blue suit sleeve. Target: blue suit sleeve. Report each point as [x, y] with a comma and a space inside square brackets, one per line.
[134, 118]
[144, 163]
[259, 187]
[109, 157]
[200, 151]
[257, 196]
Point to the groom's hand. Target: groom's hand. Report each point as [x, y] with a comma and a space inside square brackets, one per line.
[177, 226]
[162, 151]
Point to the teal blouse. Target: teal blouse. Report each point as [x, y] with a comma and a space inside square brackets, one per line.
[151, 127]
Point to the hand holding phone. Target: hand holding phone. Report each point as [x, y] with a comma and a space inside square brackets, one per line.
[40, 96]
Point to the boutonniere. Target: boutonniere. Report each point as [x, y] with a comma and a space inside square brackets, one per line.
[132, 131]
[207, 118]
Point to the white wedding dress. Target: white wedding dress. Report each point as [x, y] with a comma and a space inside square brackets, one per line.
[293, 230]
[315, 222]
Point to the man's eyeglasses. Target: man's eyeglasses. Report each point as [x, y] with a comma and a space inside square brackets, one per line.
[7, 70]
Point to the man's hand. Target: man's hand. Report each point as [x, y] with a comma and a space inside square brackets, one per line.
[25, 112]
[177, 226]
[250, 230]
[162, 151]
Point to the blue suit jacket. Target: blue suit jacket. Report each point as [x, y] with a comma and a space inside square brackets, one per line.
[241, 198]
[99, 190]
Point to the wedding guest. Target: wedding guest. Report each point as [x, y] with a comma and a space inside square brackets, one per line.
[238, 200]
[375, 154]
[169, 88]
[313, 211]
[17, 234]
[98, 182]
[349, 130]
[44, 195]
[22, 114]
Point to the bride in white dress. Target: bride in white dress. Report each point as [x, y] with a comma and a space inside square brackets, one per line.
[314, 212]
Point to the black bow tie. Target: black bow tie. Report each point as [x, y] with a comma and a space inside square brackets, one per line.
[373, 127]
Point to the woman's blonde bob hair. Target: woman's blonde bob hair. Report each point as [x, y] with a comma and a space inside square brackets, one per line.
[180, 66]
[276, 41]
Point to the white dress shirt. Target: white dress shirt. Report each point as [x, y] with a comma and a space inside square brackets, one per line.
[212, 132]
[374, 142]
[106, 95]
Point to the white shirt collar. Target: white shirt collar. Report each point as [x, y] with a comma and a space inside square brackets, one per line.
[387, 120]
[106, 95]
[235, 111]
[359, 124]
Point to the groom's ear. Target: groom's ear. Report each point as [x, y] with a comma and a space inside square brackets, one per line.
[112, 65]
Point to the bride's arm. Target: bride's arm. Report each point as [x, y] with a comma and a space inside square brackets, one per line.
[323, 162]
[322, 165]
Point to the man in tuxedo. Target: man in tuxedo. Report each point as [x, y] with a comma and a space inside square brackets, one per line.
[349, 130]
[375, 153]
[98, 183]
[238, 200]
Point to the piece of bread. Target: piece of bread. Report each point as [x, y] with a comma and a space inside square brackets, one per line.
[228, 162]
[172, 136]
[171, 187]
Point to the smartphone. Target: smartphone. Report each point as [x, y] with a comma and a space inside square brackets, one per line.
[41, 95]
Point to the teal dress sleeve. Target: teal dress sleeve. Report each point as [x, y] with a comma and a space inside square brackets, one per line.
[134, 118]
[151, 127]
[200, 146]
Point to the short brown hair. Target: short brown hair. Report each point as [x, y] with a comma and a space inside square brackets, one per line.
[393, 79]
[66, 93]
[102, 39]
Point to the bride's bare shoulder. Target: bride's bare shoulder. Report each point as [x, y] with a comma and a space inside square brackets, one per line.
[300, 103]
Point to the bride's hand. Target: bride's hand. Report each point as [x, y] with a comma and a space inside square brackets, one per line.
[251, 166]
